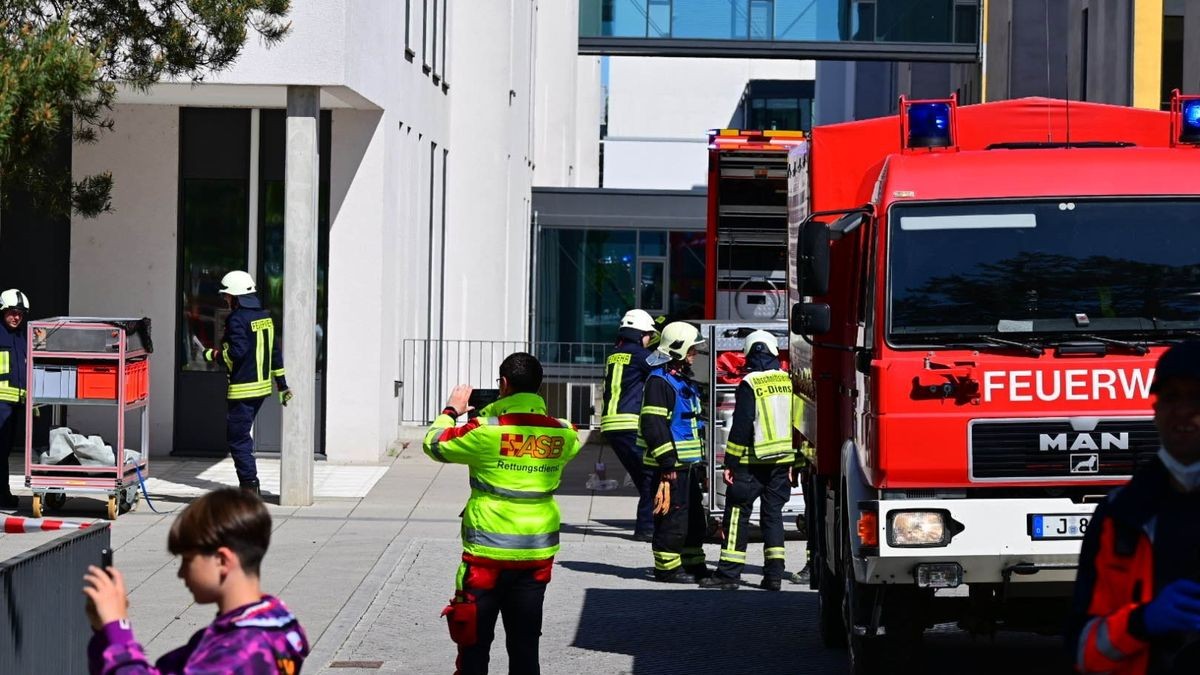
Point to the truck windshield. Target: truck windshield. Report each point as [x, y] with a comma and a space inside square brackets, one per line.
[1043, 268]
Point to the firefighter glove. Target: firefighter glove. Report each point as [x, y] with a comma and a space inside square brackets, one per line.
[1176, 609]
[662, 500]
[284, 397]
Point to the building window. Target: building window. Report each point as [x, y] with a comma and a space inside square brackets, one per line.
[214, 217]
[408, 51]
[425, 35]
[1083, 58]
[445, 41]
[1172, 58]
[590, 278]
[966, 22]
[272, 151]
[777, 104]
[433, 51]
[762, 19]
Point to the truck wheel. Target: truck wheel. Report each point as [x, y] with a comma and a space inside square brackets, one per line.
[866, 651]
[829, 605]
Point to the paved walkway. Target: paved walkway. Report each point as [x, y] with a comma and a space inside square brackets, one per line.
[368, 572]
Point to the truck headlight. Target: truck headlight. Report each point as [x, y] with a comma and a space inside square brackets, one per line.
[917, 528]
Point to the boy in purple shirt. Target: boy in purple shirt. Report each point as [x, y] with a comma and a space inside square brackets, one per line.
[222, 538]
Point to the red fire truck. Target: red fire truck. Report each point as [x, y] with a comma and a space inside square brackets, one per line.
[979, 296]
[746, 244]
[746, 288]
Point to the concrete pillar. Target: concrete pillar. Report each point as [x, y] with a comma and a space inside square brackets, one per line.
[301, 183]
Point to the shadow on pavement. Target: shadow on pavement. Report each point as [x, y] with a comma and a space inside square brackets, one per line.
[706, 631]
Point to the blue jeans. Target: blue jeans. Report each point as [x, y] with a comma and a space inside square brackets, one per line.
[239, 420]
[624, 445]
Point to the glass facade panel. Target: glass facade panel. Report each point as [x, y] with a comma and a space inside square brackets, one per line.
[762, 19]
[711, 19]
[652, 243]
[652, 279]
[658, 19]
[272, 147]
[214, 204]
[924, 21]
[687, 275]
[589, 278]
[625, 17]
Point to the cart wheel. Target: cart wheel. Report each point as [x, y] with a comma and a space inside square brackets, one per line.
[55, 501]
[37, 506]
[129, 500]
[112, 507]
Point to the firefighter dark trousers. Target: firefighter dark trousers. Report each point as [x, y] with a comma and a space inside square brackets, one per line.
[485, 592]
[768, 482]
[239, 421]
[9, 414]
[624, 446]
[679, 534]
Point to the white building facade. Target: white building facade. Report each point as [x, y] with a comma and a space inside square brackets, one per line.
[660, 110]
[436, 117]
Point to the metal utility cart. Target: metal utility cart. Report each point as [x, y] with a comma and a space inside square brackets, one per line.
[88, 361]
[723, 338]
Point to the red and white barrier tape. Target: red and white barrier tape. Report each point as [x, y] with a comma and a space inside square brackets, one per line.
[18, 525]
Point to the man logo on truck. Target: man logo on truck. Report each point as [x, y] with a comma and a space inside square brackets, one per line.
[1119, 441]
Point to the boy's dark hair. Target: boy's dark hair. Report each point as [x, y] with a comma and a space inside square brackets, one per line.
[523, 372]
[229, 517]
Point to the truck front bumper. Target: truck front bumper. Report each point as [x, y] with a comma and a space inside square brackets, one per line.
[995, 544]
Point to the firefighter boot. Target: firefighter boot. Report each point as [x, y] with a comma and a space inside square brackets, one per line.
[719, 583]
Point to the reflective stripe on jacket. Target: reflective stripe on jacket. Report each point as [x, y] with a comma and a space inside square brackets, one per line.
[250, 354]
[12, 364]
[765, 397]
[516, 455]
[625, 374]
[669, 429]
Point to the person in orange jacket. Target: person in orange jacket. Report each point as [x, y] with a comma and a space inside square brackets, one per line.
[1137, 594]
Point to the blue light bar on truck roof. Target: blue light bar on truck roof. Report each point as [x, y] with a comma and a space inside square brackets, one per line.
[928, 123]
[1185, 119]
[1191, 122]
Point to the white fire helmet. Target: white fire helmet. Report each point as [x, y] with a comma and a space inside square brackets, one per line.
[14, 299]
[638, 319]
[237, 283]
[677, 340]
[764, 338]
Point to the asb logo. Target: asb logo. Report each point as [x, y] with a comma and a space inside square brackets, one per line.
[536, 447]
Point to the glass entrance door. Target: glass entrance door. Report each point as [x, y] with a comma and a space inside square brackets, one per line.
[218, 147]
[214, 215]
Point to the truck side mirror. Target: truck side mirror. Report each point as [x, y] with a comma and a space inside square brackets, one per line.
[812, 259]
[810, 318]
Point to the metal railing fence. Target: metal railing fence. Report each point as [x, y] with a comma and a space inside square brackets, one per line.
[43, 628]
[573, 382]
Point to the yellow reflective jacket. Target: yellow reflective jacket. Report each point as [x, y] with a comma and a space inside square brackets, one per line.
[516, 454]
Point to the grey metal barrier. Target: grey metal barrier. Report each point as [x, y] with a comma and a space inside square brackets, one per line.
[43, 628]
[573, 384]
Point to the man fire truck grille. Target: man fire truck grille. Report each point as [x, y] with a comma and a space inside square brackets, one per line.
[1027, 449]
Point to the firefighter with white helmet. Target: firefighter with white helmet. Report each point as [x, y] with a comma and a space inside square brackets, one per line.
[625, 374]
[14, 306]
[253, 358]
[758, 462]
[671, 432]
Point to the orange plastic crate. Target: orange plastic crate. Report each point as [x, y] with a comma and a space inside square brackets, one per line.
[100, 381]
